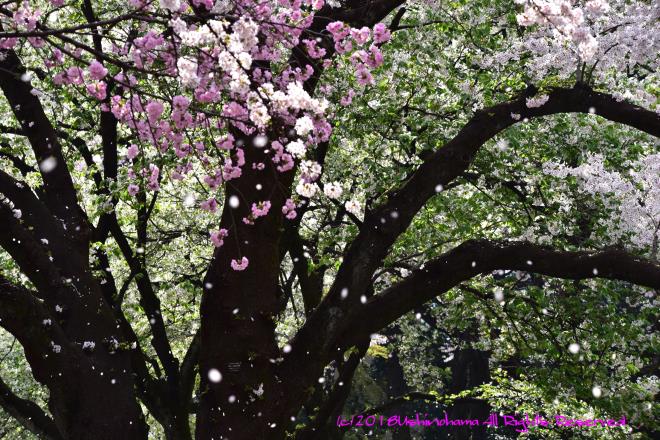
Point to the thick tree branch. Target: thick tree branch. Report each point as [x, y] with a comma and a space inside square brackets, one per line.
[28, 414]
[383, 225]
[477, 257]
[61, 194]
[25, 317]
[27, 252]
[360, 13]
[46, 234]
[340, 320]
[21, 238]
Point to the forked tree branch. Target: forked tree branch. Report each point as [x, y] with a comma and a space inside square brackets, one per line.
[323, 330]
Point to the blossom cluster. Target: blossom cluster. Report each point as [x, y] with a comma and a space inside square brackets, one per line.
[568, 22]
[632, 197]
[592, 41]
[226, 98]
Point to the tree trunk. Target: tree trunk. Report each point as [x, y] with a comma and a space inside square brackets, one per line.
[95, 408]
[469, 369]
[178, 428]
[395, 385]
[92, 390]
[239, 308]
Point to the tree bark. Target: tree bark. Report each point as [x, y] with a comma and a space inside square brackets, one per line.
[476, 257]
[92, 392]
[469, 369]
[92, 388]
[329, 327]
[239, 308]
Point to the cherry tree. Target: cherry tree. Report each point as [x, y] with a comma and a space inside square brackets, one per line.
[141, 132]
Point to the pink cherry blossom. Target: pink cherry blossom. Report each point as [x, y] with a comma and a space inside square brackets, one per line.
[313, 50]
[210, 205]
[289, 209]
[154, 110]
[154, 173]
[348, 98]
[361, 36]
[97, 90]
[97, 71]
[261, 209]
[338, 30]
[240, 266]
[217, 237]
[364, 77]
[75, 75]
[132, 152]
[381, 33]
